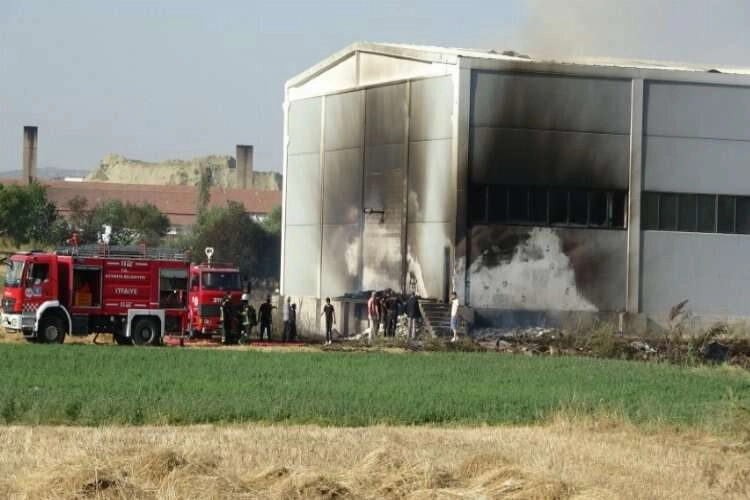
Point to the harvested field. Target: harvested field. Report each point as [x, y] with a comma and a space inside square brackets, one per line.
[93, 385]
[585, 459]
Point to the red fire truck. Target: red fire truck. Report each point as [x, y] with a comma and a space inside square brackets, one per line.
[139, 295]
[209, 283]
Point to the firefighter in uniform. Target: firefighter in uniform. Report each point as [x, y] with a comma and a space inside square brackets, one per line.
[225, 315]
[248, 316]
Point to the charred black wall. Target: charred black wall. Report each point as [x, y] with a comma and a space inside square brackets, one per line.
[548, 131]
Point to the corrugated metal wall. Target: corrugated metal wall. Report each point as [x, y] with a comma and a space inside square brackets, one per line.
[303, 199]
[697, 140]
[432, 187]
[384, 148]
[342, 192]
[385, 168]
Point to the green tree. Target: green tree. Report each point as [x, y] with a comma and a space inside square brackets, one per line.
[131, 223]
[238, 239]
[27, 215]
[79, 214]
[147, 221]
[13, 223]
[272, 222]
[42, 215]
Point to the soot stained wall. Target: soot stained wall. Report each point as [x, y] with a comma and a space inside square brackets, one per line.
[342, 192]
[385, 167]
[385, 148]
[431, 186]
[548, 131]
[542, 268]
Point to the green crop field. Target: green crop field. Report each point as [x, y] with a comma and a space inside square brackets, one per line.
[92, 385]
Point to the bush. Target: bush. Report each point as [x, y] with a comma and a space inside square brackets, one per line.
[603, 343]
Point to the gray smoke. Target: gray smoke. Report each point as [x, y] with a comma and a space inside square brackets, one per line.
[672, 30]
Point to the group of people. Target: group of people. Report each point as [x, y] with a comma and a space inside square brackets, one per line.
[384, 309]
[238, 323]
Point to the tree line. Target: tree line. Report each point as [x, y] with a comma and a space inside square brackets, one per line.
[27, 216]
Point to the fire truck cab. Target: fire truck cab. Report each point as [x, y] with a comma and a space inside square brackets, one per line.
[209, 283]
[137, 295]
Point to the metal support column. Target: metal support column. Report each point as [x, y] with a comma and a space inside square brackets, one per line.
[461, 228]
[634, 198]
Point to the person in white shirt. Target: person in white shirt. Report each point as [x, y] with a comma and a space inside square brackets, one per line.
[454, 316]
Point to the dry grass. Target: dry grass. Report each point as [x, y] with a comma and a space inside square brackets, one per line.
[562, 460]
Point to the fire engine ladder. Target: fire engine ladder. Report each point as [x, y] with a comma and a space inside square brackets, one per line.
[124, 252]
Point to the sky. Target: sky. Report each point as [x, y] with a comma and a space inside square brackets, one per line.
[156, 80]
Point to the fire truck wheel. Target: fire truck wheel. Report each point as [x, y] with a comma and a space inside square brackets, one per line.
[145, 332]
[52, 329]
[121, 339]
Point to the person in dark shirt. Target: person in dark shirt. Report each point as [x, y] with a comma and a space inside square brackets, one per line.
[286, 311]
[293, 323]
[392, 307]
[330, 316]
[412, 312]
[264, 312]
[225, 313]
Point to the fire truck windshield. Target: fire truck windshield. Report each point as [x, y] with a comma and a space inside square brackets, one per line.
[221, 280]
[14, 273]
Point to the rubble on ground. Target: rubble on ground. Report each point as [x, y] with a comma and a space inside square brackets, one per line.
[716, 345]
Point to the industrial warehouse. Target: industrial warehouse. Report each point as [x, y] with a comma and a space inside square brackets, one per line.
[537, 190]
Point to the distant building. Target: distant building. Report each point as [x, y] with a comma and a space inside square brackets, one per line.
[177, 202]
[535, 189]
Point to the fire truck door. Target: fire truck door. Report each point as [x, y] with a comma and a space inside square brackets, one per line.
[39, 283]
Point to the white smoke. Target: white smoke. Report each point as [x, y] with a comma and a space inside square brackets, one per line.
[538, 277]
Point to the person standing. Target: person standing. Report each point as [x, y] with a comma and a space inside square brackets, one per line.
[412, 312]
[265, 311]
[225, 313]
[385, 309]
[454, 316]
[293, 323]
[373, 314]
[248, 315]
[382, 300]
[285, 318]
[330, 316]
[392, 306]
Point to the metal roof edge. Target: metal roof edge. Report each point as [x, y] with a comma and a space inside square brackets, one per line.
[447, 55]
[416, 53]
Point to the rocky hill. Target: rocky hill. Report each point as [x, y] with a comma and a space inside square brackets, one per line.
[116, 168]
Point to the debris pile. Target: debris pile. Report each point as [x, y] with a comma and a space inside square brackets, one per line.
[717, 345]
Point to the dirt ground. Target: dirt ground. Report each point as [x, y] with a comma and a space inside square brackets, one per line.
[560, 460]
[105, 340]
